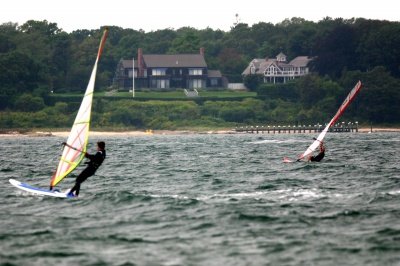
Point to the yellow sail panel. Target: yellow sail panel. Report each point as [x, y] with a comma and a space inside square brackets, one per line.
[74, 152]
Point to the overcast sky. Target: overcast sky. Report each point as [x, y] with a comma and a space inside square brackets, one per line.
[151, 15]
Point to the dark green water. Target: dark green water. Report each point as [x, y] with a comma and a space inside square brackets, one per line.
[207, 200]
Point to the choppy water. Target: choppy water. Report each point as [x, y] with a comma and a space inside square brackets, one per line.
[207, 200]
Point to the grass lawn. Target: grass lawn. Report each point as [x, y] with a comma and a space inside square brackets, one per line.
[166, 95]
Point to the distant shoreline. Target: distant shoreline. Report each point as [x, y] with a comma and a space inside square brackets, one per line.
[159, 132]
[378, 129]
[114, 133]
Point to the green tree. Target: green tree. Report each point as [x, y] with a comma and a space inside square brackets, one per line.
[159, 42]
[7, 32]
[336, 51]
[18, 73]
[309, 88]
[127, 117]
[378, 99]
[28, 103]
[186, 43]
[43, 27]
[252, 81]
[232, 64]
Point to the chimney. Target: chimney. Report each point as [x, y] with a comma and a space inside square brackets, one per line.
[140, 63]
[202, 51]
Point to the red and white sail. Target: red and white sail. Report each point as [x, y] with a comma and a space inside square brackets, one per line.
[338, 114]
[74, 151]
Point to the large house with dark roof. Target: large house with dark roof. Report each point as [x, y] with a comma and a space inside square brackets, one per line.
[167, 72]
[278, 70]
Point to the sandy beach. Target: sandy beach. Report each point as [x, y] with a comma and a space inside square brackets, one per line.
[383, 129]
[115, 133]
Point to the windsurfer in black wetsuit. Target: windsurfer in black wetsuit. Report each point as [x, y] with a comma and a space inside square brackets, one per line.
[95, 161]
[320, 155]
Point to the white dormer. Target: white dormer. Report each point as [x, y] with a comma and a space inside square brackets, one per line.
[281, 57]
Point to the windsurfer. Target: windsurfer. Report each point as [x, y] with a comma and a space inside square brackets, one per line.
[95, 161]
[320, 155]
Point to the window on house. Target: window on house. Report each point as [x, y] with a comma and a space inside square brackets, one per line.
[195, 83]
[195, 72]
[160, 83]
[270, 70]
[214, 82]
[158, 71]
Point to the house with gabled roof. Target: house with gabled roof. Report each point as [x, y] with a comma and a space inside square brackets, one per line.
[167, 72]
[278, 70]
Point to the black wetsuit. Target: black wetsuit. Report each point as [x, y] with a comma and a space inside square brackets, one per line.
[94, 163]
[318, 157]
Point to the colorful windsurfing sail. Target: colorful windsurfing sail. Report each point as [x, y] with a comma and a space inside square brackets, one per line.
[338, 114]
[74, 151]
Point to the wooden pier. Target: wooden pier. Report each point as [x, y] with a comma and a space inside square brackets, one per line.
[339, 127]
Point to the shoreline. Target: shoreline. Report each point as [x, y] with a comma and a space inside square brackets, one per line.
[160, 132]
[378, 129]
[114, 133]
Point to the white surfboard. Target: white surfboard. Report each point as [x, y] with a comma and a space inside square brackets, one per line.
[39, 191]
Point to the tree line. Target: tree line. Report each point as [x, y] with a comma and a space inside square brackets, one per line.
[38, 57]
